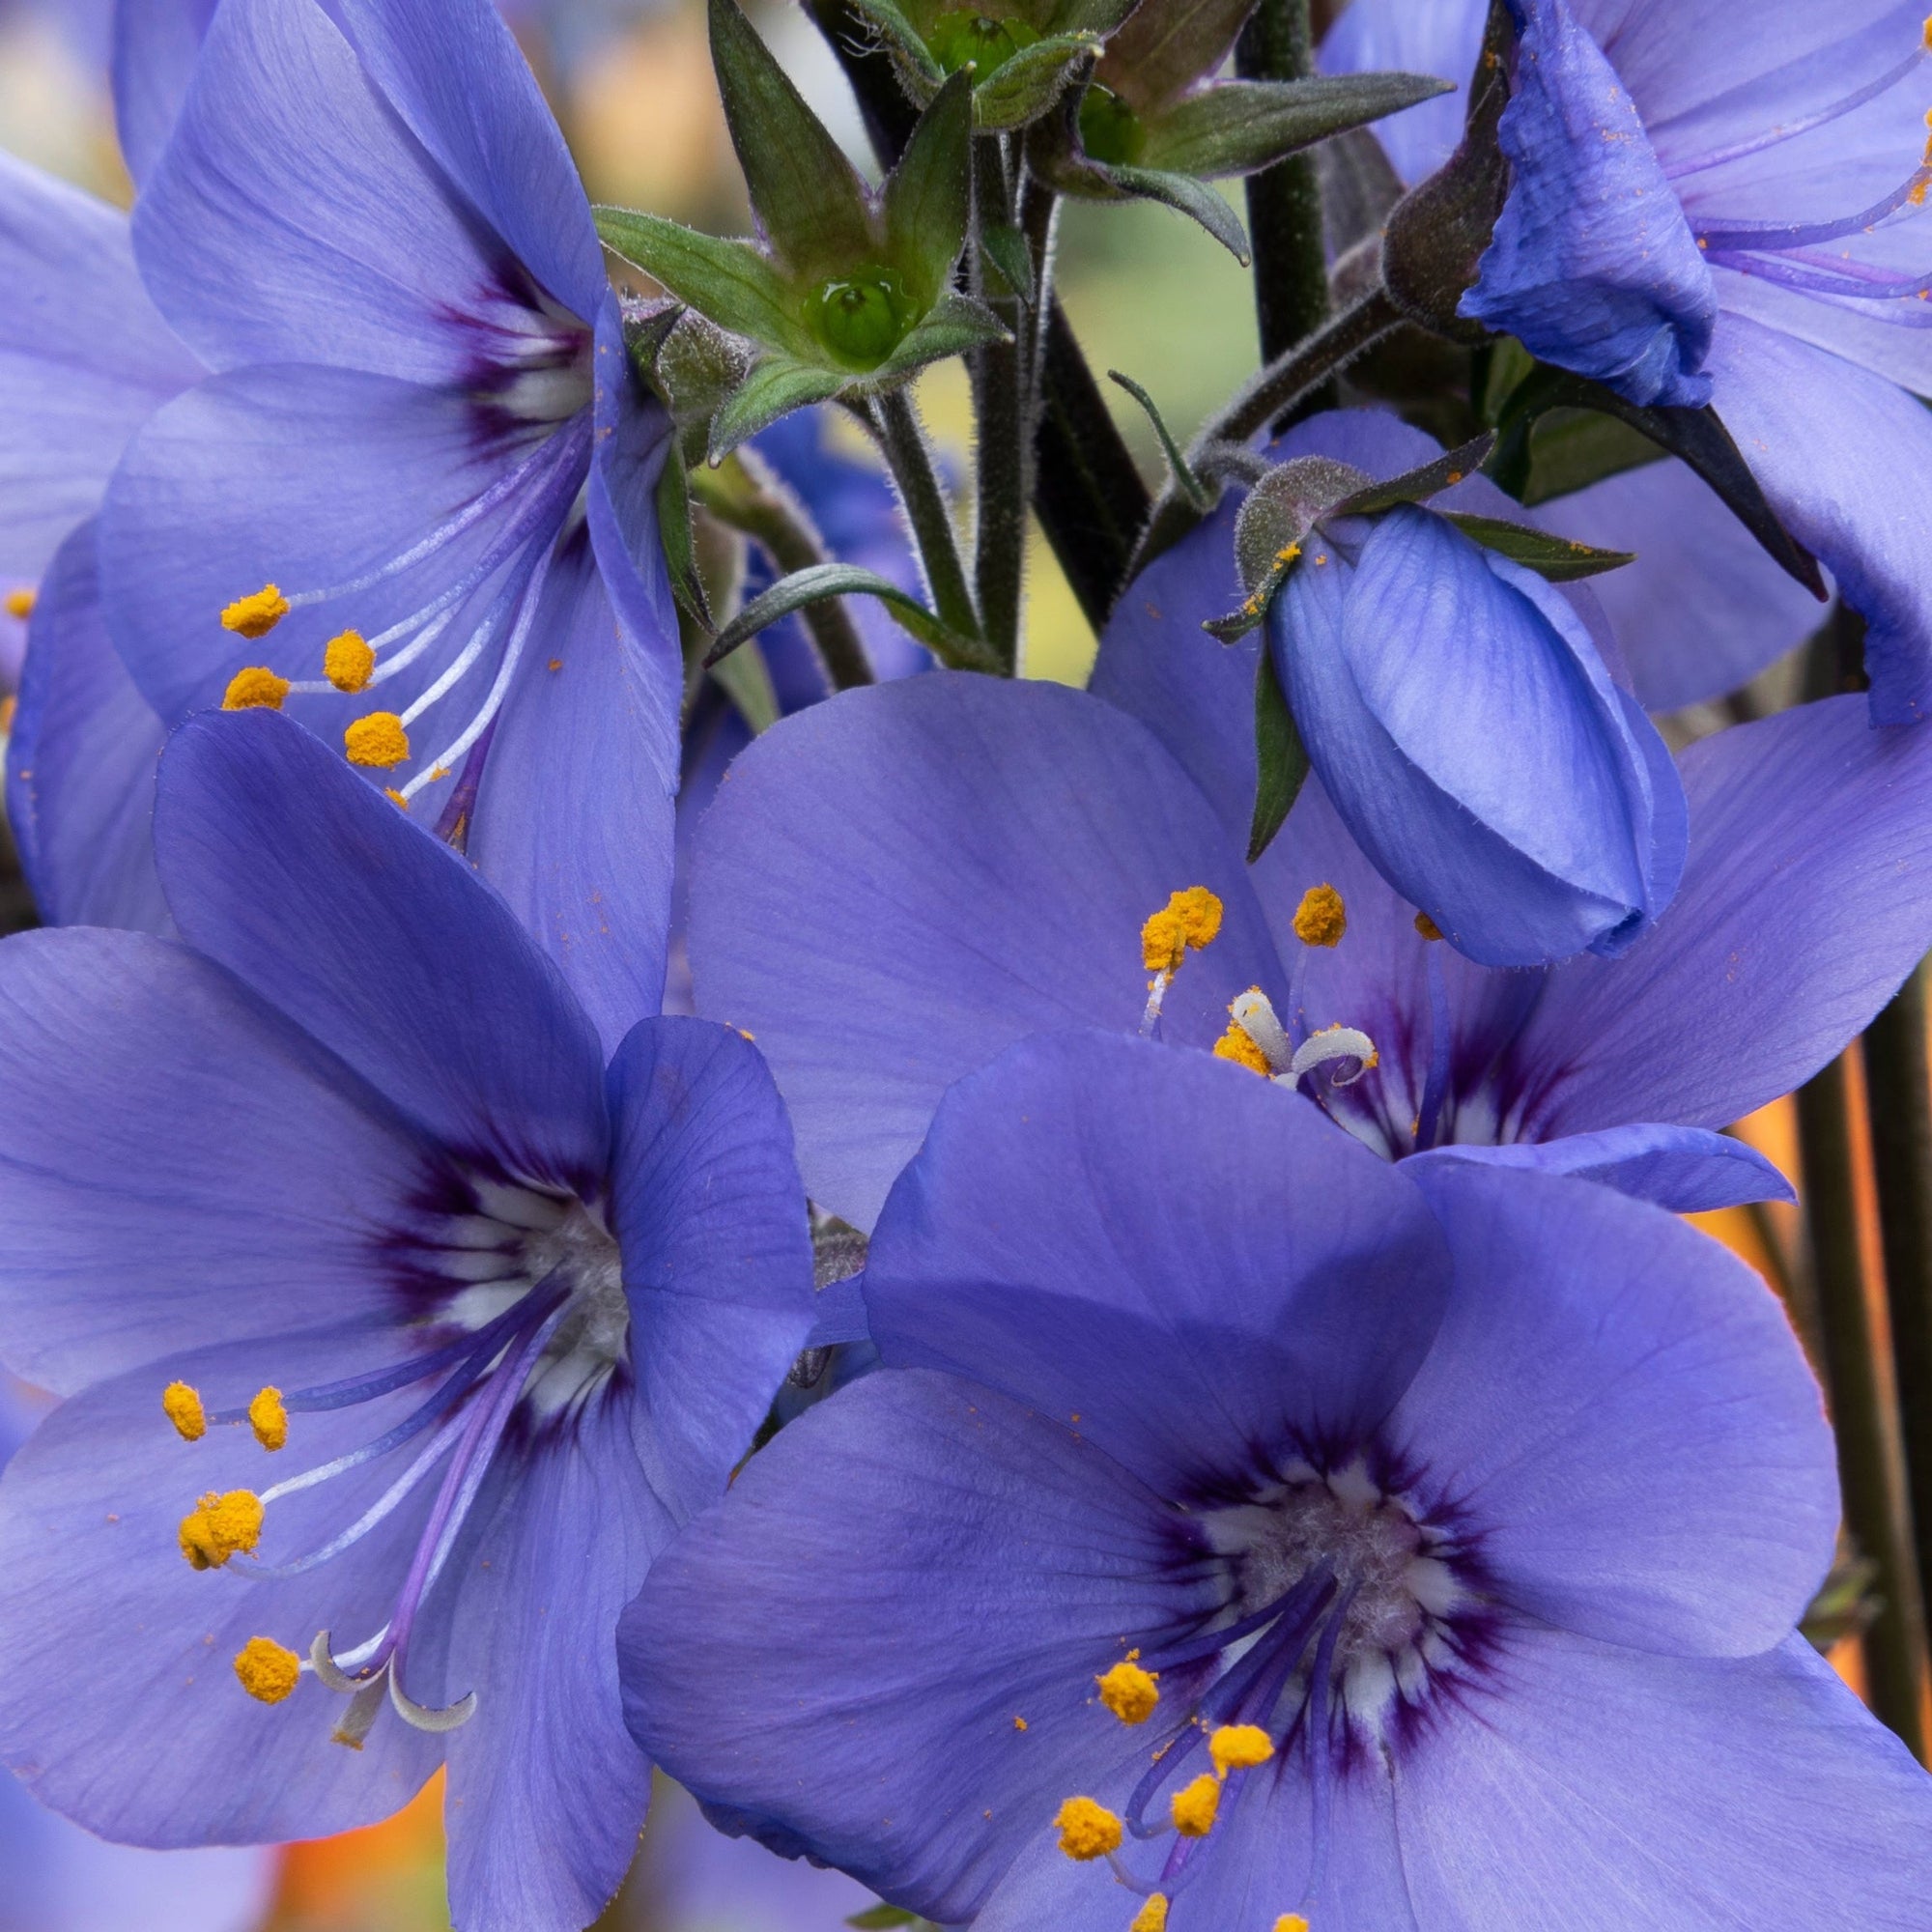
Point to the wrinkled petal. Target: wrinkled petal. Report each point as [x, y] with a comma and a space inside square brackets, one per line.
[1159, 1243]
[81, 759]
[1688, 1169]
[281, 865]
[1596, 1789]
[156, 45]
[1621, 1405]
[898, 884]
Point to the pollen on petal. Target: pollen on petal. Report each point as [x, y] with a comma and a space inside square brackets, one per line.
[256, 615]
[255, 688]
[1320, 919]
[20, 603]
[1239, 1747]
[1087, 1829]
[1129, 1691]
[1291, 1921]
[1194, 1808]
[1427, 926]
[347, 660]
[378, 739]
[268, 1674]
[1237, 1045]
[1152, 1915]
[184, 1408]
[268, 1419]
[1189, 921]
[219, 1527]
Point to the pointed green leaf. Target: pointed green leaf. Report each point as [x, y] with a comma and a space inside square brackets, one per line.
[731, 283]
[1178, 470]
[810, 201]
[1280, 759]
[1006, 249]
[747, 681]
[1088, 17]
[773, 389]
[881, 1917]
[1557, 559]
[1192, 198]
[673, 505]
[1570, 449]
[1239, 126]
[1417, 485]
[904, 41]
[847, 579]
[957, 324]
[1025, 85]
[929, 195]
[1168, 44]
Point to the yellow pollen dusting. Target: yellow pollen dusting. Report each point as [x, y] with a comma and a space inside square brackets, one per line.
[256, 615]
[1194, 1808]
[1287, 553]
[347, 660]
[1927, 34]
[1129, 1691]
[268, 1672]
[1019, 1723]
[184, 1408]
[1188, 919]
[21, 603]
[395, 797]
[1239, 1747]
[268, 1419]
[1151, 1917]
[1427, 926]
[255, 688]
[378, 739]
[1237, 1045]
[1320, 919]
[1087, 1829]
[220, 1525]
[1291, 1921]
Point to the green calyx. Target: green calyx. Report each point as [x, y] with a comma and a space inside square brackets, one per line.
[862, 317]
[1110, 130]
[977, 39]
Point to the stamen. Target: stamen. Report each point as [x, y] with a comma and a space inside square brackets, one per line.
[255, 688]
[1194, 1808]
[1086, 1831]
[20, 603]
[1320, 919]
[1189, 920]
[1151, 1917]
[1239, 1747]
[1331, 1044]
[256, 615]
[421, 1717]
[348, 662]
[268, 1419]
[219, 1526]
[1129, 1691]
[1746, 236]
[364, 1706]
[1237, 1045]
[183, 1408]
[268, 1674]
[378, 739]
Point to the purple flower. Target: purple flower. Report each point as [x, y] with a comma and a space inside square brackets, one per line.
[1287, 1538]
[346, 1167]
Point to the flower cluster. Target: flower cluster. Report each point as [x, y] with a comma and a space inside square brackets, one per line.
[621, 1151]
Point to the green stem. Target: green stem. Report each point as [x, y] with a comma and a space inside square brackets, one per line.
[909, 457]
[1002, 460]
[1870, 1457]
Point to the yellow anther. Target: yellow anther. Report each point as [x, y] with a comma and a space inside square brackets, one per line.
[185, 1411]
[1188, 919]
[255, 688]
[220, 1525]
[256, 615]
[347, 660]
[268, 1672]
[1927, 34]
[1194, 1808]
[1129, 1691]
[1320, 919]
[378, 739]
[1239, 1747]
[395, 797]
[1087, 1829]
[21, 603]
[1151, 1917]
[1427, 926]
[268, 1419]
[1291, 1921]
[1237, 1045]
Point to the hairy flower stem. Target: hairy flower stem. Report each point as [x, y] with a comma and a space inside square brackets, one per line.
[1002, 397]
[896, 422]
[1870, 1462]
[1898, 1100]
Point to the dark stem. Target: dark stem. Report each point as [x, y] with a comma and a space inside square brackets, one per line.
[1870, 1462]
[1284, 201]
[1002, 461]
[909, 457]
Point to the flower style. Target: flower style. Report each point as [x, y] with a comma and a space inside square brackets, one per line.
[1701, 212]
[398, 1336]
[366, 222]
[1267, 1537]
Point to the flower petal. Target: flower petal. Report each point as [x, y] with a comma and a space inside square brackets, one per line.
[1688, 1169]
[1398, 37]
[155, 46]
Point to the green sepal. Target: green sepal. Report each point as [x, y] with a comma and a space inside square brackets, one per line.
[1192, 198]
[1559, 559]
[905, 43]
[1022, 88]
[1281, 761]
[1571, 449]
[746, 679]
[847, 579]
[808, 198]
[1165, 45]
[928, 196]
[680, 548]
[956, 324]
[1418, 485]
[1240, 126]
[878, 1918]
[728, 282]
[774, 388]
[1180, 475]
[1006, 247]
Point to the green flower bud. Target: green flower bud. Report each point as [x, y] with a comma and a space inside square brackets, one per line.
[862, 318]
[987, 43]
[1110, 130]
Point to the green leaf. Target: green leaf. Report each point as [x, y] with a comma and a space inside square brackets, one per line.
[1281, 761]
[731, 283]
[956, 324]
[905, 41]
[1006, 249]
[847, 579]
[1417, 485]
[1239, 126]
[1089, 17]
[928, 196]
[1557, 559]
[674, 506]
[1192, 198]
[1178, 470]
[809, 200]
[1570, 449]
[746, 679]
[774, 388]
[880, 1917]
[1024, 86]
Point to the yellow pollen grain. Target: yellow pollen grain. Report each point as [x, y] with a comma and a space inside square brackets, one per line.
[1291, 1921]
[395, 797]
[1237, 1045]
[1151, 1917]
[1086, 1831]
[268, 1674]
[21, 603]
[256, 615]
[1129, 1691]
[220, 1525]
[254, 688]
[347, 660]
[1195, 1806]
[1926, 38]
[1019, 1723]
[1189, 918]
[1320, 919]
[1239, 1747]
[1427, 926]
[1287, 553]
[268, 1419]
[182, 1406]
[378, 739]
